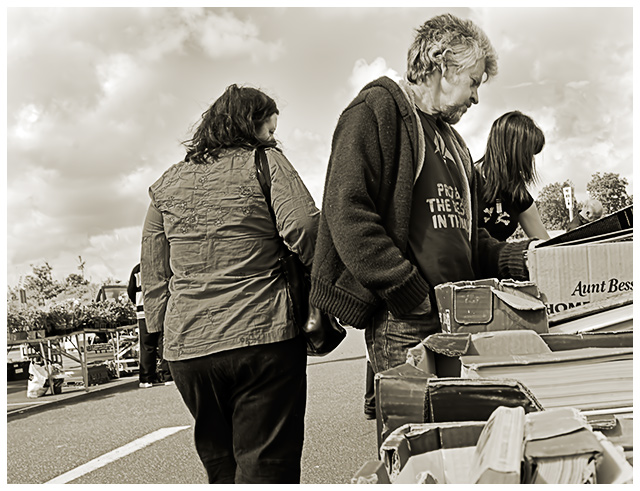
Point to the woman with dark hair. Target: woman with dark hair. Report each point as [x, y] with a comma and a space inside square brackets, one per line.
[505, 171]
[211, 282]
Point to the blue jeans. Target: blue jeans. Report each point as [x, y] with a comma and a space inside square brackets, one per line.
[389, 338]
[248, 405]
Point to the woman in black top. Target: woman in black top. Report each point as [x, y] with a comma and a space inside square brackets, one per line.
[505, 171]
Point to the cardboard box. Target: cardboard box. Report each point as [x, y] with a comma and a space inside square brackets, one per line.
[97, 374]
[406, 394]
[400, 393]
[372, 472]
[610, 314]
[614, 468]
[442, 449]
[573, 275]
[490, 305]
[620, 433]
[456, 345]
[431, 453]
[555, 367]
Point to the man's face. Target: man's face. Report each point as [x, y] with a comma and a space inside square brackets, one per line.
[459, 91]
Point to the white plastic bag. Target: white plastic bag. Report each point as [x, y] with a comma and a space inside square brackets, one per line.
[37, 377]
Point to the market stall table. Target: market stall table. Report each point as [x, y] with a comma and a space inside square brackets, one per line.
[51, 349]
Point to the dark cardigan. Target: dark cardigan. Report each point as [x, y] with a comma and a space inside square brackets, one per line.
[360, 263]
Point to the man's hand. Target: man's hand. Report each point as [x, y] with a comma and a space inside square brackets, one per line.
[423, 308]
[534, 243]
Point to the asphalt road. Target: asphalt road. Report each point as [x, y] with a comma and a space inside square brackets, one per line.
[48, 444]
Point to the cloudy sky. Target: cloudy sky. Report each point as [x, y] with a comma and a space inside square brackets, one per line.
[99, 99]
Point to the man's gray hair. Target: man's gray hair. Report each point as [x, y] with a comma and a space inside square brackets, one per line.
[450, 41]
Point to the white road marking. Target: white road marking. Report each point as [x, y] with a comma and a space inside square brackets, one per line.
[26, 403]
[115, 454]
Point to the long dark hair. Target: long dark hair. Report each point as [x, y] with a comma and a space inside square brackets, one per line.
[508, 164]
[232, 121]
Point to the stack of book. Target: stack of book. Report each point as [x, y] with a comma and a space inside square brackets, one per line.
[555, 446]
[498, 454]
[561, 447]
[586, 378]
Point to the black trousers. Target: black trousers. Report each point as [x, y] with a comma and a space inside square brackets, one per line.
[150, 354]
[248, 405]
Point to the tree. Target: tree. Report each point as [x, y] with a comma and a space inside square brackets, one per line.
[610, 189]
[41, 285]
[75, 280]
[78, 288]
[552, 208]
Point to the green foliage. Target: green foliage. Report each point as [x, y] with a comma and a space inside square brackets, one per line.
[75, 280]
[59, 307]
[28, 319]
[551, 205]
[70, 315]
[41, 285]
[41, 288]
[611, 190]
[85, 292]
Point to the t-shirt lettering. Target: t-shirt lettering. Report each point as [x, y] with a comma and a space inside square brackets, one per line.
[438, 236]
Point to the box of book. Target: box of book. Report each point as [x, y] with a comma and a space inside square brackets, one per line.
[408, 394]
[513, 447]
[491, 305]
[561, 448]
[588, 371]
[400, 393]
[571, 275]
[610, 314]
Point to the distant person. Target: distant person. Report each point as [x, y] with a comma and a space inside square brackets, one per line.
[150, 342]
[212, 280]
[505, 171]
[369, 391]
[591, 211]
[399, 212]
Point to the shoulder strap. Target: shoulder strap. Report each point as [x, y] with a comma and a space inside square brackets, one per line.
[264, 178]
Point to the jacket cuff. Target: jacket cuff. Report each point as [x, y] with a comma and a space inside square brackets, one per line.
[408, 295]
[512, 263]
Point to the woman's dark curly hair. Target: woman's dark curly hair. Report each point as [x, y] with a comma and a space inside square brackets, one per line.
[232, 121]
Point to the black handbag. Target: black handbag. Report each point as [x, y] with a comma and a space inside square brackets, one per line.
[322, 331]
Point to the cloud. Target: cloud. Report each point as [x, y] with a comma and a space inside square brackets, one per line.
[114, 72]
[225, 36]
[569, 70]
[88, 115]
[309, 154]
[98, 100]
[578, 84]
[364, 72]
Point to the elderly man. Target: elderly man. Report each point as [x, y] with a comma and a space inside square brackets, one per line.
[399, 206]
[592, 210]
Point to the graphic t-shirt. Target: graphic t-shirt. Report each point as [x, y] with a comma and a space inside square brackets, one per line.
[438, 235]
[501, 217]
